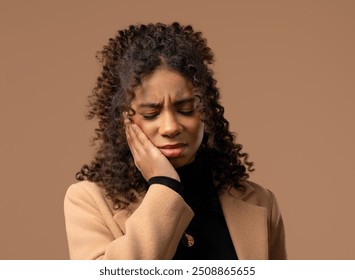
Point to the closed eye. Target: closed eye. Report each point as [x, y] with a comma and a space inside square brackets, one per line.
[187, 112]
[149, 116]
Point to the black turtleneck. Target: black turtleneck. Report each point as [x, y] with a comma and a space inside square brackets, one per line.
[208, 226]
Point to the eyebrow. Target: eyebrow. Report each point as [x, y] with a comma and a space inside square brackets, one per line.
[159, 105]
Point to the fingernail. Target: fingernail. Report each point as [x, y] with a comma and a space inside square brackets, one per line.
[126, 120]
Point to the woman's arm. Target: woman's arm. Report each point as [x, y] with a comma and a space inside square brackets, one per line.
[153, 231]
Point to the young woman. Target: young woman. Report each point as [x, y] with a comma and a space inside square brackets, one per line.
[168, 180]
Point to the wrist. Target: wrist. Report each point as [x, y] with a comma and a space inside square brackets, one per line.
[169, 182]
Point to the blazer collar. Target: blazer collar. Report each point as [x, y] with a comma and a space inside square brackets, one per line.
[247, 223]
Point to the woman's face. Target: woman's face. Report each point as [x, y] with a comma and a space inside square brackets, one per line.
[166, 112]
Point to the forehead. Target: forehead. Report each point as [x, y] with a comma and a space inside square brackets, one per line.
[163, 84]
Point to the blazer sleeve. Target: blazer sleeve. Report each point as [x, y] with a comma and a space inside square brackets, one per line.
[152, 231]
[277, 246]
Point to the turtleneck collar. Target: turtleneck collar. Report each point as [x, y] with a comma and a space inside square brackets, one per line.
[191, 171]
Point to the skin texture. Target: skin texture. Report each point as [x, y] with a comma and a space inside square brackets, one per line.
[166, 130]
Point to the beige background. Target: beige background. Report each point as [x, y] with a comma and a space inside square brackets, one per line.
[286, 72]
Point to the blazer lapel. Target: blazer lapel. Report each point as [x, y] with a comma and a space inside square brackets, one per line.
[247, 224]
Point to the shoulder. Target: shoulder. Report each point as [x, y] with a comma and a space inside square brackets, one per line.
[84, 189]
[86, 193]
[260, 196]
[253, 193]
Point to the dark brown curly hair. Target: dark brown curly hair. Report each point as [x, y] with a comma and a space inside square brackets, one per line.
[130, 55]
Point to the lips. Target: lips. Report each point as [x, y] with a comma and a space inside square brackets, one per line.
[172, 150]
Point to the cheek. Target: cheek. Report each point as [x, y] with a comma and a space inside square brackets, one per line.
[201, 133]
[198, 129]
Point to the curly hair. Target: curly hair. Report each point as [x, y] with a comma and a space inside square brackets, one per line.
[132, 54]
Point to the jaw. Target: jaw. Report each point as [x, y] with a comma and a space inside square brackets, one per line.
[181, 161]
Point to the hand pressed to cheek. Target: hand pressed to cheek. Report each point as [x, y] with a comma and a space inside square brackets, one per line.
[148, 159]
[165, 106]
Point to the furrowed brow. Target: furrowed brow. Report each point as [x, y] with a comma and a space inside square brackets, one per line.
[158, 105]
[185, 101]
[149, 105]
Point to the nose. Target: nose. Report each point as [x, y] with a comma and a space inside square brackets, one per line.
[169, 126]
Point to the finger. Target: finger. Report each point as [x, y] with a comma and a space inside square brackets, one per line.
[141, 137]
[142, 150]
[139, 146]
[135, 133]
[133, 147]
[131, 139]
[126, 118]
[128, 136]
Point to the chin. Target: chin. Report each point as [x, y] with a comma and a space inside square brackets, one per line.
[180, 162]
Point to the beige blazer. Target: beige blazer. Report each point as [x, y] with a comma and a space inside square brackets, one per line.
[152, 227]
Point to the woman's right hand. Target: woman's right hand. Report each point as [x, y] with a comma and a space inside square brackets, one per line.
[148, 158]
